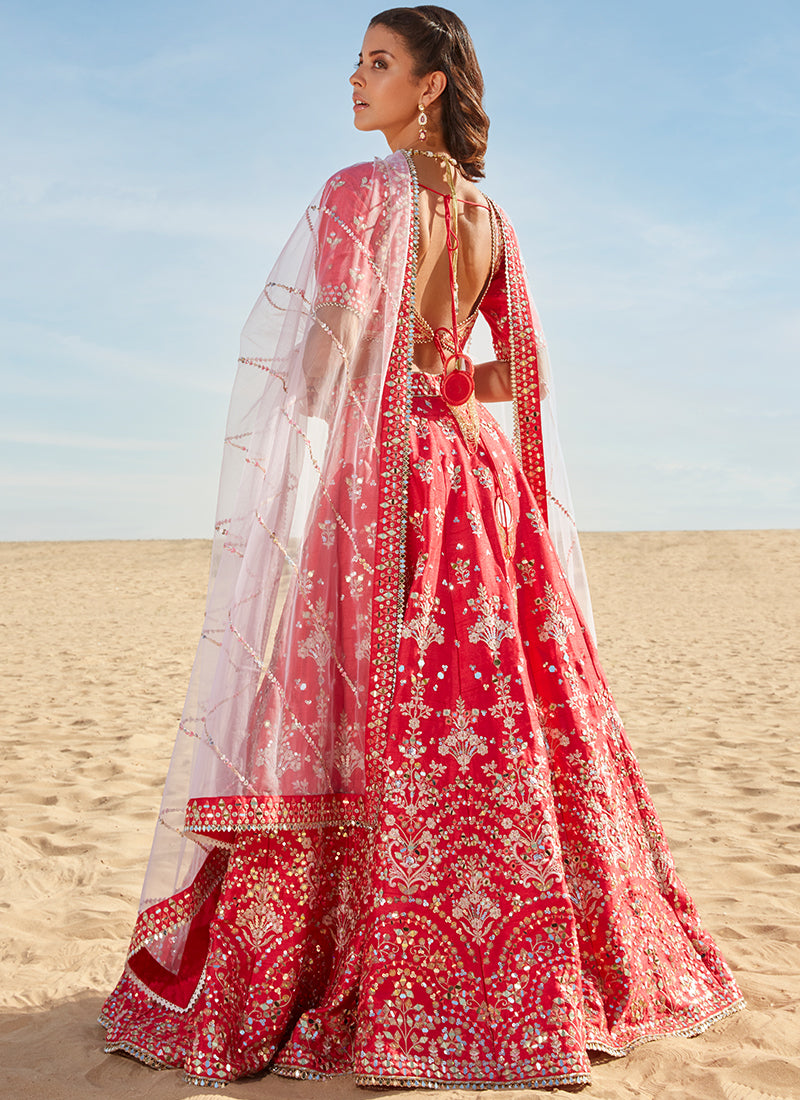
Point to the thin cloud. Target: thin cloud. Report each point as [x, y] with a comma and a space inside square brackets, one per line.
[735, 478]
[83, 442]
[122, 208]
[166, 66]
[123, 363]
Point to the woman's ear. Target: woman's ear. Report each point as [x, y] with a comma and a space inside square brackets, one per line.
[435, 83]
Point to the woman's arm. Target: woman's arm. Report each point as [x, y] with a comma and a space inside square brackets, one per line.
[493, 381]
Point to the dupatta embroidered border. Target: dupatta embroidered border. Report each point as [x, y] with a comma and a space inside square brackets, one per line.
[388, 600]
[524, 369]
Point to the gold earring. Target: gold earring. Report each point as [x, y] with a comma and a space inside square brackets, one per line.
[423, 122]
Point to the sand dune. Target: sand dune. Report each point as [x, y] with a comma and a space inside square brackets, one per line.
[700, 634]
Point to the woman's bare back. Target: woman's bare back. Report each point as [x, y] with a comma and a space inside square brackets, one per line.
[477, 251]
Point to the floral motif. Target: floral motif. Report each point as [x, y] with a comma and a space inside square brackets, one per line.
[317, 643]
[474, 520]
[328, 531]
[528, 571]
[348, 753]
[354, 485]
[506, 708]
[355, 582]
[476, 908]
[490, 627]
[558, 625]
[415, 709]
[462, 742]
[534, 854]
[423, 627]
[424, 467]
[260, 919]
[461, 570]
[484, 476]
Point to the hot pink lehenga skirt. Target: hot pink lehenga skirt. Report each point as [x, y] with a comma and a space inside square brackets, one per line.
[517, 906]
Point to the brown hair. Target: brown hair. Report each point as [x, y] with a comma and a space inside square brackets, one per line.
[439, 42]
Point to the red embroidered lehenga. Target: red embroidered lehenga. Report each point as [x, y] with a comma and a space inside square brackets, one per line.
[403, 834]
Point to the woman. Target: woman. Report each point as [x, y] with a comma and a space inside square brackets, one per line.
[403, 834]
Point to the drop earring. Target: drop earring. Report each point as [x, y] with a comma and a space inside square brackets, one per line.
[423, 122]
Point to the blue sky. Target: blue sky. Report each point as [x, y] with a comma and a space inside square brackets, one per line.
[158, 154]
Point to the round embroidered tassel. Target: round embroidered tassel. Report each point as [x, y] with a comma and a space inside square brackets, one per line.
[457, 383]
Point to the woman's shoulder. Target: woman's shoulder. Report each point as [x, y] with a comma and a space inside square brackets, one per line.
[496, 207]
[367, 194]
[364, 199]
[350, 176]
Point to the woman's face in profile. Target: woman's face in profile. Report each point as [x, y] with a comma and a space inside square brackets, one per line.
[385, 90]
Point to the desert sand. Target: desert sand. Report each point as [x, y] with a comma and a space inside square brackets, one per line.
[700, 634]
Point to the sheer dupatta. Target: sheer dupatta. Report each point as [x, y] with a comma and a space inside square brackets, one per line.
[274, 726]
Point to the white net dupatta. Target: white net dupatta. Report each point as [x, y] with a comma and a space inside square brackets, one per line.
[560, 512]
[272, 734]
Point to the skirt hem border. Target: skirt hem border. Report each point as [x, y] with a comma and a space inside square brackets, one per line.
[596, 1045]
